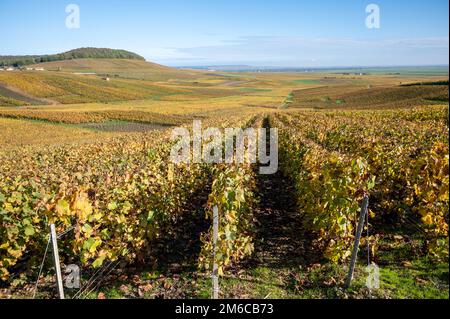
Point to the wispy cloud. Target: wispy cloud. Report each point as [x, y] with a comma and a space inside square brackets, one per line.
[303, 51]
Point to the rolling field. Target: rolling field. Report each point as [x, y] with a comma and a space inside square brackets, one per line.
[133, 69]
[368, 97]
[93, 158]
[19, 134]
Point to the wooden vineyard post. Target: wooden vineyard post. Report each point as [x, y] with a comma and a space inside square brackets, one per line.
[362, 217]
[59, 282]
[215, 272]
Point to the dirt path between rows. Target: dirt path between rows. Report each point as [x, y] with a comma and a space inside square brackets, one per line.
[17, 94]
[281, 240]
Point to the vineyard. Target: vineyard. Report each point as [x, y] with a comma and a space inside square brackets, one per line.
[93, 157]
[122, 199]
[342, 157]
[224, 158]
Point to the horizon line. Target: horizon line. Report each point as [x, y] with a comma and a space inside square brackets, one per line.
[308, 68]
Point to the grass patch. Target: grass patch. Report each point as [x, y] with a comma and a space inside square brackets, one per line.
[254, 90]
[288, 101]
[421, 279]
[306, 82]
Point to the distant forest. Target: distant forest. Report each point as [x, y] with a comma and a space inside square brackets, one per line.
[82, 53]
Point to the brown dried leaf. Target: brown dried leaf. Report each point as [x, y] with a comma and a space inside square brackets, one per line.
[124, 288]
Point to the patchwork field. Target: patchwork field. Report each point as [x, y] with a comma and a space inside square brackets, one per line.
[371, 97]
[20, 134]
[90, 153]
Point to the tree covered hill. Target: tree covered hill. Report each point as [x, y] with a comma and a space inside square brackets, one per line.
[82, 53]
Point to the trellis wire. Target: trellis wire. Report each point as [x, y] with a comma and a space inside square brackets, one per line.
[40, 268]
[65, 232]
[92, 279]
[45, 256]
[100, 281]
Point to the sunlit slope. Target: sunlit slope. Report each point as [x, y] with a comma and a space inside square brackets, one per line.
[370, 97]
[135, 69]
[66, 88]
[114, 80]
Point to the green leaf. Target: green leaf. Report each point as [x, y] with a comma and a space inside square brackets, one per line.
[62, 207]
[150, 216]
[228, 233]
[371, 184]
[98, 262]
[29, 230]
[88, 243]
[87, 229]
[91, 244]
[105, 233]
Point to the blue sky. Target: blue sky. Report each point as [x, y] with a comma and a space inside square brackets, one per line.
[292, 33]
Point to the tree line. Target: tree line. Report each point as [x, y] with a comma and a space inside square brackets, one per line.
[82, 53]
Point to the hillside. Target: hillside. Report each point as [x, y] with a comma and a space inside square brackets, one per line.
[97, 80]
[65, 88]
[81, 53]
[370, 97]
[124, 68]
